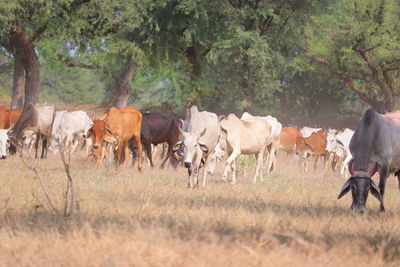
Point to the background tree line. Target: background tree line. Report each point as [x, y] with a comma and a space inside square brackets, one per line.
[304, 61]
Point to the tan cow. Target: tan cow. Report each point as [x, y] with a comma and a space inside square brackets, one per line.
[244, 137]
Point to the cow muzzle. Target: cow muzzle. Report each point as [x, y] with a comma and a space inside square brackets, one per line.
[3, 157]
[188, 164]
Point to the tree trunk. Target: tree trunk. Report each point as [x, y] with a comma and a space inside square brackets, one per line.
[32, 75]
[123, 84]
[191, 56]
[23, 45]
[249, 93]
[18, 83]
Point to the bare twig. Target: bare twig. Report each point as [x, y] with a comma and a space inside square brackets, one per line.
[70, 184]
[33, 168]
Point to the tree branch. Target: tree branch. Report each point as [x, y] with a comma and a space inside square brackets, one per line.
[82, 65]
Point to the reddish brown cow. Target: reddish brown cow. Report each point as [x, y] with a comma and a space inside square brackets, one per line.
[118, 127]
[313, 145]
[287, 140]
[8, 117]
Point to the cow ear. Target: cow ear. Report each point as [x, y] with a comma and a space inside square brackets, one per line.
[181, 131]
[177, 146]
[89, 133]
[345, 189]
[203, 148]
[203, 132]
[375, 191]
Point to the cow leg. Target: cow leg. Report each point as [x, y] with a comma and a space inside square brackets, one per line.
[316, 160]
[37, 145]
[126, 148]
[382, 182]
[118, 154]
[148, 150]
[101, 158]
[259, 164]
[305, 163]
[271, 159]
[205, 168]
[345, 165]
[44, 146]
[233, 169]
[139, 149]
[167, 155]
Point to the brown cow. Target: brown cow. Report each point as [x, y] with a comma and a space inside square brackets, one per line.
[313, 145]
[118, 127]
[8, 117]
[287, 140]
[124, 124]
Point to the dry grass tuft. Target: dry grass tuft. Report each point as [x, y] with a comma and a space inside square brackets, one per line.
[123, 217]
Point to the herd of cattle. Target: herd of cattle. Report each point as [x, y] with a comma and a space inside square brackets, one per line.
[201, 140]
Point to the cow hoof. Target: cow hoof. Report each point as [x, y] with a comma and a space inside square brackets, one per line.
[233, 182]
[382, 209]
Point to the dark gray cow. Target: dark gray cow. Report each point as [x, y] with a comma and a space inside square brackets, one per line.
[374, 146]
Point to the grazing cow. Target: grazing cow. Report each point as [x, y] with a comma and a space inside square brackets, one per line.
[37, 118]
[200, 135]
[307, 131]
[98, 135]
[8, 117]
[244, 137]
[122, 125]
[157, 128]
[338, 142]
[374, 146]
[4, 143]
[288, 139]
[68, 127]
[314, 145]
[273, 140]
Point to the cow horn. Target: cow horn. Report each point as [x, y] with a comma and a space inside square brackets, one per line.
[375, 191]
[181, 131]
[203, 132]
[345, 189]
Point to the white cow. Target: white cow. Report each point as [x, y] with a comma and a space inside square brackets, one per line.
[69, 128]
[200, 135]
[307, 131]
[4, 143]
[244, 137]
[339, 143]
[273, 140]
[54, 130]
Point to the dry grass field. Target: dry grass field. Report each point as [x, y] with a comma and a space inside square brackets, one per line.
[126, 218]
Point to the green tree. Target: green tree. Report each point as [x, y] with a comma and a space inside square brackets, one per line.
[358, 42]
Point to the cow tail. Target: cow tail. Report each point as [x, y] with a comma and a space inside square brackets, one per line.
[364, 140]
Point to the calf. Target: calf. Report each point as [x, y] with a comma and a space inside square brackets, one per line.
[313, 145]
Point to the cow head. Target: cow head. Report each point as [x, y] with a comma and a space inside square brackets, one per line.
[331, 142]
[190, 146]
[4, 143]
[97, 132]
[360, 184]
